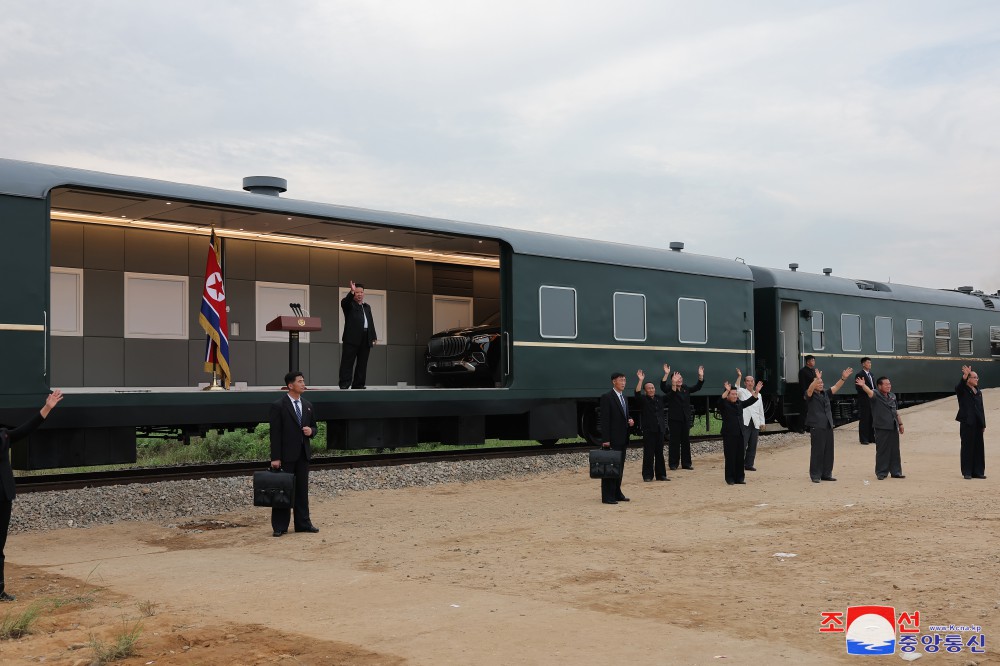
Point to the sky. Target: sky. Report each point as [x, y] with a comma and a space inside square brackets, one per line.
[859, 136]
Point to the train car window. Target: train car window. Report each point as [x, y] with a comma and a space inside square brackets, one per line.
[995, 340]
[692, 320]
[556, 312]
[630, 317]
[66, 301]
[850, 332]
[818, 330]
[156, 306]
[914, 336]
[942, 337]
[964, 339]
[883, 335]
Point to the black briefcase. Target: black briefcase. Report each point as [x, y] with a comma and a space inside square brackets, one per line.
[273, 488]
[605, 464]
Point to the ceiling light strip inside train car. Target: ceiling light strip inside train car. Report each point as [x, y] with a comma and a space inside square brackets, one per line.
[424, 255]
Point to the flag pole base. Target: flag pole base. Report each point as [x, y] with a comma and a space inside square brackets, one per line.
[214, 385]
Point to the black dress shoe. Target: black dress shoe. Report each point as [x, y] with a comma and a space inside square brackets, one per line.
[742, 482]
[688, 466]
[673, 467]
[967, 476]
[750, 469]
[311, 528]
[647, 480]
[624, 499]
[866, 443]
[278, 533]
[729, 483]
[899, 476]
[978, 476]
[880, 477]
[663, 478]
[7, 596]
[815, 480]
[828, 478]
[609, 501]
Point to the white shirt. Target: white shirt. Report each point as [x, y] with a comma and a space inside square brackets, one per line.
[754, 411]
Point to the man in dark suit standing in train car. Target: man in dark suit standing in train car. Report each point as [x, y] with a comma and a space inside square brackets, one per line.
[8, 437]
[819, 420]
[654, 429]
[677, 396]
[971, 424]
[807, 373]
[866, 430]
[358, 339]
[293, 424]
[614, 430]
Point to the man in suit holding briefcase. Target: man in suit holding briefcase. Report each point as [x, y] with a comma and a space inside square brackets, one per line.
[614, 433]
[293, 424]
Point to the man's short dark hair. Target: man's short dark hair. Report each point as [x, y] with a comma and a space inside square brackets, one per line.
[358, 285]
[863, 359]
[809, 357]
[616, 375]
[883, 378]
[290, 377]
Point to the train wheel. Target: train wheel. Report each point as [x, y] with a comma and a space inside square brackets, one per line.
[547, 442]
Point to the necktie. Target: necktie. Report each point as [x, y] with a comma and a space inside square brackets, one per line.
[298, 412]
[624, 408]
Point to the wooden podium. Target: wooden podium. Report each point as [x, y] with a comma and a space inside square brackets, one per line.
[294, 325]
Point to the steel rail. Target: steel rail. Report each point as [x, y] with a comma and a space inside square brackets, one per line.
[71, 481]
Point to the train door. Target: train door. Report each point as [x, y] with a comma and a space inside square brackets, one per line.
[791, 353]
[24, 310]
[790, 345]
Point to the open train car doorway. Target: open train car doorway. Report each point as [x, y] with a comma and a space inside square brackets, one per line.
[127, 276]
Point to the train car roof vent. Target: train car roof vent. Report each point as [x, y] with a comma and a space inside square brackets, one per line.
[827, 271]
[988, 302]
[268, 185]
[793, 267]
[676, 246]
[864, 285]
[964, 290]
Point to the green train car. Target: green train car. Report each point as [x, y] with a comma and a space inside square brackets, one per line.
[103, 276]
[918, 337]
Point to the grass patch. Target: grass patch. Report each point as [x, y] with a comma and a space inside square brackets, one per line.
[85, 600]
[147, 608]
[17, 625]
[123, 646]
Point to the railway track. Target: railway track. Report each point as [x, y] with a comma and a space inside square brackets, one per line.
[51, 482]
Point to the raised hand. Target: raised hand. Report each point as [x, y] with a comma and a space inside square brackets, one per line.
[760, 385]
[353, 287]
[640, 374]
[53, 398]
[701, 372]
[846, 373]
[666, 369]
[859, 382]
[966, 370]
[819, 374]
[726, 386]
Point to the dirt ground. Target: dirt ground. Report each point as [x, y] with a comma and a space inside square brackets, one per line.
[538, 571]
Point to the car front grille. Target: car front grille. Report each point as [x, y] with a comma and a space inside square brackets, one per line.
[447, 346]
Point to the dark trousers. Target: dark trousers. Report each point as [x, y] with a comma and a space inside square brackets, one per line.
[866, 432]
[5, 507]
[821, 453]
[354, 364]
[280, 518]
[652, 455]
[611, 489]
[887, 459]
[732, 447]
[679, 449]
[973, 454]
[750, 445]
